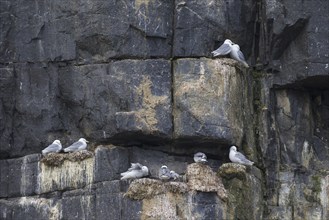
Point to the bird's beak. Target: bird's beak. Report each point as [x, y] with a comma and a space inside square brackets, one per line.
[87, 141]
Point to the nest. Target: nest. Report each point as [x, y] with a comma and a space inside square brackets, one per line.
[57, 159]
[148, 188]
[232, 170]
[202, 178]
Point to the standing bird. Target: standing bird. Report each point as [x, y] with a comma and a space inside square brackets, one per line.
[136, 170]
[228, 47]
[164, 173]
[81, 144]
[200, 157]
[237, 157]
[56, 146]
[174, 175]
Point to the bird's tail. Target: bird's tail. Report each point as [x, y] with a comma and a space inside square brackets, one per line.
[246, 64]
[215, 54]
[251, 163]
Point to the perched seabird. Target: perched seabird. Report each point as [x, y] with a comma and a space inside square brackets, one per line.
[238, 55]
[174, 175]
[81, 144]
[228, 47]
[200, 158]
[164, 173]
[136, 170]
[56, 146]
[224, 49]
[237, 157]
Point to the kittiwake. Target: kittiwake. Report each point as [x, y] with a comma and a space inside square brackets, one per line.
[174, 175]
[237, 157]
[228, 47]
[81, 144]
[164, 173]
[136, 170]
[56, 146]
[200, 158]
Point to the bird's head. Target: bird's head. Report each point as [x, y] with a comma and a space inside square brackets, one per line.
[145, 169]
[83, 140]
[236, 46]
[228, 41]
[57, 142]
[233, 148]
[201, 157]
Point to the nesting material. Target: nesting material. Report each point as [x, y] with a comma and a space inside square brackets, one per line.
[200, 177]
[148, 188]
[57, 159]
[232, 170]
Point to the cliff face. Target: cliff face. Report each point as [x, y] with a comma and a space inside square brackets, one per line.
[138, 75]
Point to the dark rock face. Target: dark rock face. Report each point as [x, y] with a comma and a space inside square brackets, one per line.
[85, 32]
[134, 73]
[209, 26]
[121, 97]
[99, 102]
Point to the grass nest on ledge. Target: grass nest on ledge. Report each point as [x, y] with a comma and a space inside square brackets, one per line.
[57, 159]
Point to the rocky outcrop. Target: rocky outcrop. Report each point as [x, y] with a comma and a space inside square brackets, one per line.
[138, 74]
[211, 100]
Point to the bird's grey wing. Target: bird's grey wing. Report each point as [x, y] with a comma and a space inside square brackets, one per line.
[241, 56]
[240, 156]
[161, 172]
[222, 50]
[75, 145]
[51, 148]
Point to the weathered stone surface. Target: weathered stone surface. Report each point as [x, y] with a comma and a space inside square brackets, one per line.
[201, 178]
[19, 177]
[207, 206]
[99, 102]
[85, 31]
[70, 175]
[201, 26]
[62, 77]
[7, 86]
[110, 161]
[298, 42]
[244, 190]
[29, 208]
[211, 100]
[121, 99]
[34, 116]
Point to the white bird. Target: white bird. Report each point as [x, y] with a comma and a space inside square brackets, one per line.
[136, 170]
[237, 157]
[56, 146]
[164, 173]
[174, 175]
[81, 144]
[224, 49]
[200, 157]
[228, 47]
